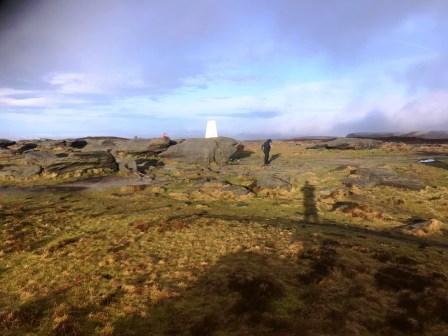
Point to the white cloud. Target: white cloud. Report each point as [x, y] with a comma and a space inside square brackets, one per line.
[5, 92]
[25, 102]
[11, 97]
[429, 111]
[15, 98]
[83, 83]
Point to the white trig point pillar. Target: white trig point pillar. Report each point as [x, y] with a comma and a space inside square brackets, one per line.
[211, 131]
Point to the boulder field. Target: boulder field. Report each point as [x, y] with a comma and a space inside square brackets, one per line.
[27, 159]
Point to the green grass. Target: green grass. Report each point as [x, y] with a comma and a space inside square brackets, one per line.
[167, 262]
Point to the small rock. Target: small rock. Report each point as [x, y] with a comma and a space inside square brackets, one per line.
[295, 249]
[423, 228]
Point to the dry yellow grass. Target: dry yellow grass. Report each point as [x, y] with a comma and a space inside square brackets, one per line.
[187, 257]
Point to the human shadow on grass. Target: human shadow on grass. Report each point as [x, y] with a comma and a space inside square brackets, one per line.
[274, 157]
[257, 293]
[48, 315]
[242, 294]
[249, 293]
[311, 214]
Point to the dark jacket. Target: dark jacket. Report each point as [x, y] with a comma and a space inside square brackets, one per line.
[266, 146]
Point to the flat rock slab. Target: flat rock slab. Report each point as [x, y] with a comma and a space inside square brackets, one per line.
[108, 182]
[383, 177]
[272, 181]
[349, 143]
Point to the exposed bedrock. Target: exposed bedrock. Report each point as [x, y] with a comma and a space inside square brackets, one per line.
[28, 159]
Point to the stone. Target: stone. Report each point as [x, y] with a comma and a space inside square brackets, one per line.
[4, 143]
[382, 177]
[349, 143]
[138, 156]
[42, 158]
[79, 143]
[70, 162]
[272, 181]
[203, 151]
[80, 163]
[26, 147]
[423, 228]
[52, 145]
[147, 146]
[19, 171]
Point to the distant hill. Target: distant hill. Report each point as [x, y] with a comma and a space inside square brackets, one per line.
[414, 137]
[311, 138]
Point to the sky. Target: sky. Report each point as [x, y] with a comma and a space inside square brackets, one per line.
[260, 68]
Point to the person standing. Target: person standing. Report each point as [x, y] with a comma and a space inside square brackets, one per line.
[266, 147]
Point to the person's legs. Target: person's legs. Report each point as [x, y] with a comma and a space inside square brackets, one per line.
[266, 157]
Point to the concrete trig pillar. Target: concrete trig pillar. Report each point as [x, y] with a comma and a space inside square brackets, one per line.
[211, 131]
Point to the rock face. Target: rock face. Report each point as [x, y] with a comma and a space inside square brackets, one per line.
[272, 181]
[14, 171]
[349, 143]
[204, 151]
[92, 156]
[81, 163]
[4, 143]
[137, 155]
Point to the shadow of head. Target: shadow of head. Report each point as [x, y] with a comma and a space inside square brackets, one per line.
[240, 290]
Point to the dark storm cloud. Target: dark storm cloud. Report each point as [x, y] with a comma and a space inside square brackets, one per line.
[154, 40]
[163, 42]
[11, 11]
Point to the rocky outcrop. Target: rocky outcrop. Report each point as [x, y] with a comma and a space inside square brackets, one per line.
[132, 156]
[349, 143]
[80, 163]
[26, 147]
[138, 155]
[19, 171]
[4, 143]
[12, 166]
[78, 157]
[35, 163]
[204, 151]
